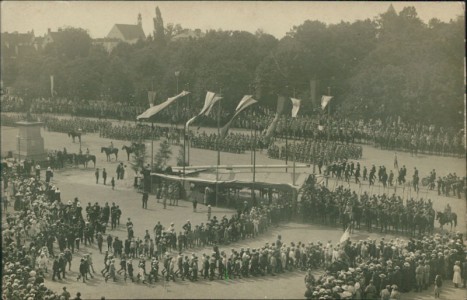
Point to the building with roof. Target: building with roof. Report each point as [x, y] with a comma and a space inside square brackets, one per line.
[51, 37]
[15, 44]
[127, 33]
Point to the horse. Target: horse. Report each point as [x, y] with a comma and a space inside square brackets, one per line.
[73, 134]
[138, 146]
[108, 151]
[84, 159]
[129, 150]
[443, 218]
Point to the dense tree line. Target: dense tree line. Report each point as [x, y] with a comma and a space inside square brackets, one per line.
[394, 65]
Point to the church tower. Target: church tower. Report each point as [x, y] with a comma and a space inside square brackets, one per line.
[140, 20]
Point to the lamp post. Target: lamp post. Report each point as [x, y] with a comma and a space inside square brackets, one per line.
[187, 134]
[329, 114]
[19, 147]
[218, 146]
[184, 141]
[177, 74]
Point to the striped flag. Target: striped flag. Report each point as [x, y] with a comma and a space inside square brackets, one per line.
[244, 103]
[345, 236]
[209, 101]
[324, 101]
[295, 106]
[157, 108]
[280, 109]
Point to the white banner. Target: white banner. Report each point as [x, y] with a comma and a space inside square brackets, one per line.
[157, 108]
[295, 106]
[324, 101]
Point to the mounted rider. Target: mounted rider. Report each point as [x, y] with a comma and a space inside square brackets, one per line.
[87, 152]
[111, 147]
[447, 211]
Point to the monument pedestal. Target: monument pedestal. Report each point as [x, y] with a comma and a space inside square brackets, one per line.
[30, 143]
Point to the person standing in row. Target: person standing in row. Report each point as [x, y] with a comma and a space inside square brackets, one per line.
[145, 200]
[97, 175]
[104, 175]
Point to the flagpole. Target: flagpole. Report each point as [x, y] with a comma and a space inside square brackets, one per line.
[188, 105]
[177, 74]
[329, 114]
[294, 151]
[286, 144]
[152, 147]
[218, 148]
[254, 167]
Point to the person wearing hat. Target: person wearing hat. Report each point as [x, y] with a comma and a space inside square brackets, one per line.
[122, 266]
[438, 285]
[194, 268]
[419, 274]
[209, 212]
[370, 291]
[395, 294]
[96, 174]
[65, 294]
[456, 278]
[464, 272]
[83, 269]
[129, 268]
[48, 174]
[56, 269]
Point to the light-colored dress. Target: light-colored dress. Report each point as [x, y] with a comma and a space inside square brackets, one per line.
[457, 279]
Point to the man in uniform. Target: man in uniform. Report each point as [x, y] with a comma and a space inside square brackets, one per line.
[145, 200]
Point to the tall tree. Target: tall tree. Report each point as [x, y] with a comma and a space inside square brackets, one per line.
[159, 31]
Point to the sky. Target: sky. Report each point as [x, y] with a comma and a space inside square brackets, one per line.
[276, 18]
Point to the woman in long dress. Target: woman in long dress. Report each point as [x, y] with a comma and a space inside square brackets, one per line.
[457, 279]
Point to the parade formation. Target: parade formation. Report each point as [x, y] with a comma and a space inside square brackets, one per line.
[200, 163]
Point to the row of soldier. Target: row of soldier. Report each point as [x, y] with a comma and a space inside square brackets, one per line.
[388, 134]
[348, 209]
[315, 152]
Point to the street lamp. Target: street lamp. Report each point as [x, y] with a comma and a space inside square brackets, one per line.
[19, 147]
[177, 74]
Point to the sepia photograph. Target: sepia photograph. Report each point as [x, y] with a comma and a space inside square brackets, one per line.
[233, 150]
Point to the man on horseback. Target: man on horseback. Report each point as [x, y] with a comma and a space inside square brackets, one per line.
[447, 211]
[87, 153]
[111, 147]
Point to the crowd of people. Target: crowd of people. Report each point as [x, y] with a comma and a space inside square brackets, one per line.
[390, 133]
[41, 221]
[29, 233]
[368, 269]
[361, 269]
[322, 153]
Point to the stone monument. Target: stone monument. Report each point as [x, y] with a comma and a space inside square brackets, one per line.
[30, 144]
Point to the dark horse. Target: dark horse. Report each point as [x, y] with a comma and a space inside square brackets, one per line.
[75, 134]
[61, 159]
[129, 150]
[84, 159]
[443, 218]
[109, 151]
